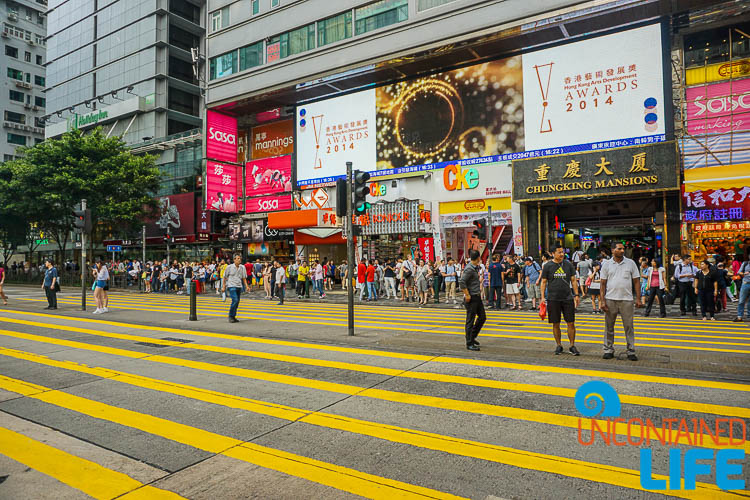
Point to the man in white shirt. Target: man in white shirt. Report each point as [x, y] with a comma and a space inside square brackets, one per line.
[619, 277]
[280, 281]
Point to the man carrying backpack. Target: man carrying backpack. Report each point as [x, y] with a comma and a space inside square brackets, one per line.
[685, 273]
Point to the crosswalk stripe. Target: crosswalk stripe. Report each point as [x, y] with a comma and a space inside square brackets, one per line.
[86, 476]
[427, 376]
[339, 477]
[287, 320]
[522, 414]
[484, 451]
[634, 377]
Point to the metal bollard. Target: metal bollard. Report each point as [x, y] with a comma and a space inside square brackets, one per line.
[193, 302]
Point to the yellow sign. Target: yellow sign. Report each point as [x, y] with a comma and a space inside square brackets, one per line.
[479, 205]
[718, 72]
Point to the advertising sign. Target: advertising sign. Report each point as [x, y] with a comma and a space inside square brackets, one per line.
[426, 247]
[272, 139]
[615, 171]
[222, 186]
[268, 203]
[603, 88]
[333, 132]
[717, 204]
[719, 108]
[176, 213]
[221, 143]
[718, 72]
[268, 176]
[390, 218]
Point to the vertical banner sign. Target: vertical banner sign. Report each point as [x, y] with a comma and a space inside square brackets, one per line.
[222, 186]
[221, 143]
[517, 229]
[426, 247]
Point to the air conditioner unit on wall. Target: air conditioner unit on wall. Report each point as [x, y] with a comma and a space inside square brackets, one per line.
[12, 16]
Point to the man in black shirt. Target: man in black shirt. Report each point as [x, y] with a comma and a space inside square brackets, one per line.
[512, 290]
[558, 275]
[470, 284]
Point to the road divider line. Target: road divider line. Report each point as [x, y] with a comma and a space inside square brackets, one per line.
[84, 475]
[521, 414]
[426, 440]
[633, 377]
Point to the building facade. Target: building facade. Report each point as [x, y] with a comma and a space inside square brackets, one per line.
[23, 60]
[584, 99]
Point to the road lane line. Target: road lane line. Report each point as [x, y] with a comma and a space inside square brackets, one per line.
[710, 384]
[84, 475]
[655, 402]
[484, 451]
[556, 419]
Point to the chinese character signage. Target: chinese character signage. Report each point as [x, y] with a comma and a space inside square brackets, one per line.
[399, 217]
[272, 139]
[221, 143]
[616, 171]
[222, 186]
[716, 205]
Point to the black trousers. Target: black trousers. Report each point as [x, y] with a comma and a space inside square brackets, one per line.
[688, 300]
[496, 295]
[654, 291]
[708, 302]
[51, 296]
[475, 318]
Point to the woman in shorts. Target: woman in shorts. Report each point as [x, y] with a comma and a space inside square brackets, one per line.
[101, 275]
[594, 287]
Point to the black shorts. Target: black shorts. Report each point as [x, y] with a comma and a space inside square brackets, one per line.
[557, 309]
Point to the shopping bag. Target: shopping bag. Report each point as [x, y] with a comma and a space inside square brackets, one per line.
[543, 310]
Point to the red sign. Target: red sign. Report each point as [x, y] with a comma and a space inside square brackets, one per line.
[221, 143]
[222, 186]
[268, 176]
[426, 247]
[176, 212]
[268, 203]
[717, 204]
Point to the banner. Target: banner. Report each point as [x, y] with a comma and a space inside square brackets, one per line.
[717, 204]
[221, 143]
[268, 176]
[719, 108]
[426, 247]
[268, 203]
[222, 186]
[272, 139]
[718, 72]
[176, 212]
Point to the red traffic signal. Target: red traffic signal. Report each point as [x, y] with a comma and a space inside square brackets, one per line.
[481, 230]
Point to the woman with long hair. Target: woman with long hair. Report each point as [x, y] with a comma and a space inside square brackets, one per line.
[594, 289]
[101, 277]
[656, 280]
[267, 279]
[707, 289]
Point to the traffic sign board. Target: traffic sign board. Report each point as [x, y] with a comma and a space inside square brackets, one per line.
[114, 248]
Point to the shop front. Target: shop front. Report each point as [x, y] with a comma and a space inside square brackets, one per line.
[593, 200]
[398, 229]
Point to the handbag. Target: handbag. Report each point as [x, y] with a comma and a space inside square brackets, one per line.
[588, 281]
[543, 310]
[57, 286]
[668, 298]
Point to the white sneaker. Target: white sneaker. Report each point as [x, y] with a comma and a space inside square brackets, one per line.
[98, 311]
[105, 310]
[223, 297]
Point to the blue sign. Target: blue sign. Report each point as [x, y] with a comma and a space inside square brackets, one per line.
[114, 248]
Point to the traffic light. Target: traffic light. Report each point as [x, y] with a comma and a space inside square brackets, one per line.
[341, 198]
[82, 221]
[481, 230]
[168, 239]
[361, 190]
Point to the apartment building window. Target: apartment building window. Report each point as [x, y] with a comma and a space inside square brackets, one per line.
[11, 51]
[39, 80]
[40, 101]
[429, 4]
[40, 18]
[380, 14]
[16, 139]
[27, 56]
[15, 74]
[223, 65]
[37, 140]
[13, 31]
[15, 95]
[335, 28]
[40, 60]
[219, 19]
[8, 157]
[275, 3]
[10, 116]
[717, 45]
[256, 6]
[39, 39]
[251, 56]
[290, 43]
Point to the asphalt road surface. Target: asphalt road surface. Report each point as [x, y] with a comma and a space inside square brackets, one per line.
[141, 403]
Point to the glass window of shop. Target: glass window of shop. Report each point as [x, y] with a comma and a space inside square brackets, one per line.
[251, 56]
[380, 14]
[717, 45]
[335, 28]
[223, 65]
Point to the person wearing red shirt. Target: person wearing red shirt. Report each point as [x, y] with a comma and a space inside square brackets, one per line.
[362, 278]
[250, 271]
[371, 281]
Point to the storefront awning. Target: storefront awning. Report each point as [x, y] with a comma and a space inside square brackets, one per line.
[297, 219]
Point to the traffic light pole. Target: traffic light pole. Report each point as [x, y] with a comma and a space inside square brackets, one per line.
[350, 247]
[169, 262]
[84, 270]
[490, 238]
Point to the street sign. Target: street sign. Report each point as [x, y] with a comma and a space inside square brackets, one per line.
[320, 197]
[43, 241]
[114, 248]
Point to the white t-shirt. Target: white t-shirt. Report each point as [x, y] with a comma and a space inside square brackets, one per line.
[102, 274]
[620, 278]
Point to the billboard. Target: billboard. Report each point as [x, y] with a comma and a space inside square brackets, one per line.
[272, 139]
[176, 213]
[719, 108]
[221, 143]
[222, 186]
[268, 176]
[603, 88]
[268, 203]
[599, 93]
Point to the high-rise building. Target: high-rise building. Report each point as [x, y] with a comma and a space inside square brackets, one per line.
[23, 59]
[127, 66]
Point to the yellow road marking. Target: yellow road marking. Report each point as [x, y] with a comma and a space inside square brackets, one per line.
[710, 384]
[483, 451]
[671, 404]
[83, 475]
[342, 478]
[541, 417]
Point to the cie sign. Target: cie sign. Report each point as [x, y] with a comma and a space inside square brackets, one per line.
[455, 178]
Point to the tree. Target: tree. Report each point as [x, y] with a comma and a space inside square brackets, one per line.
[52, 177]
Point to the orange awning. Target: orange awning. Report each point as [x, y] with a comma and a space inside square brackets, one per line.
[293, 219]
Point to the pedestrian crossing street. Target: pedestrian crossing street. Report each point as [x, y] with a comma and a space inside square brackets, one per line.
[111, 407]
